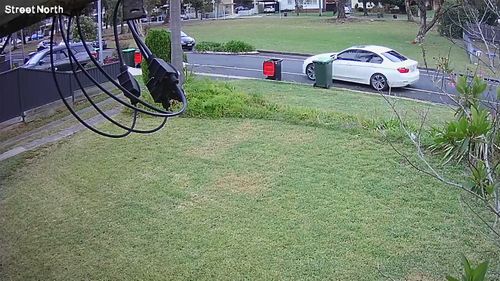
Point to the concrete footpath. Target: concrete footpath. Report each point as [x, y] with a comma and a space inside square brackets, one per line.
[51, 132]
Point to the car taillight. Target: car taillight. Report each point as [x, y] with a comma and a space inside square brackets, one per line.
[403, 70]
[94, 54]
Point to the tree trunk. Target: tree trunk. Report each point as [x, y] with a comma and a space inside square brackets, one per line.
[175, 35]
[422, 11]
[167, 16]
[341, 9]
[365, 10]
[408, 10]
[424, 26]
[298, 7]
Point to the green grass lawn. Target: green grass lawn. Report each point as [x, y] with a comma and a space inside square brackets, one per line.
[319, 34]
[234, 198]
[364, 106]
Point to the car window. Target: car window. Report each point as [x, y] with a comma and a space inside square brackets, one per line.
[78, 49]
[394, 56]
[60, 55]
[367, 56]
[376, 59]
[348, 55]
[364, 56]
[36, 58]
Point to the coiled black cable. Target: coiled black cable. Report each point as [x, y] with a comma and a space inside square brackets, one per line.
[88, 126]
[81, 67]
[159, 112]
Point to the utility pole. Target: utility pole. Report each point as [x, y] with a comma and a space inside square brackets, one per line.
[10, 49]
[320, 2]
[99, 29]
[175, 35]
[22, 43]
[279, 8]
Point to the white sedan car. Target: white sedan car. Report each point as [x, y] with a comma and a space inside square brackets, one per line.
[377, 66]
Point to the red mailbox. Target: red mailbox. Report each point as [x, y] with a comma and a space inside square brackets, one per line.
[271, 68]
[137, 58]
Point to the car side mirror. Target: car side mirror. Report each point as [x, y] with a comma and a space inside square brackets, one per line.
[334, 57]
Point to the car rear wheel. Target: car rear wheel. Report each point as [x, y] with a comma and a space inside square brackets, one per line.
[310, 72]
[379, 82]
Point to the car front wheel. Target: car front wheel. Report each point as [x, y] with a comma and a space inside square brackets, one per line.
[379, 82]
[310, 72]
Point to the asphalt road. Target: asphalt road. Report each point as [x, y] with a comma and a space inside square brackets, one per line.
[428, 88]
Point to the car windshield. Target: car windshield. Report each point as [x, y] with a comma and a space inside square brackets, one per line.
[80, 48]
[184, 34]
[34, 60]
[394, 56]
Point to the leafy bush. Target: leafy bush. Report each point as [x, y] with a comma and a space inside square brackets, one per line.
[88, 27]
[233, 46]
[452, 21]
[158, 41]
[470, 273]
[490, 16]
[209, 46]
[455, 17]
[216, 99]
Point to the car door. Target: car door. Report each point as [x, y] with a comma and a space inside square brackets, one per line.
[44, 62]
[368, 63]
[343, 65]
[63, 60]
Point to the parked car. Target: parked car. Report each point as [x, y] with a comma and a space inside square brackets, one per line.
[347, 10]
[41, 59]
[380, 67]
[358, 5]
[240, 8]
[43, 45]
[184, 17]
[95, 44]
[187, 42]
[269, 10]
[36, 36]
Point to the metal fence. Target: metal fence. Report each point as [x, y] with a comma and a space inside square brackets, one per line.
[4, 64]
[24, 89]
[483, 31]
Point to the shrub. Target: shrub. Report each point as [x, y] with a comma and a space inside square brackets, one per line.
[216, 99]
[210, 46]
[158, 41]
[88, 27]
[235, 46]
[452, 20]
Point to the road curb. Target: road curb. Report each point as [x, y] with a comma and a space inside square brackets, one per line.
[284, 53]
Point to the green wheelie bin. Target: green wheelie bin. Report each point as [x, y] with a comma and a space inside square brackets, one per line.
[323, 72]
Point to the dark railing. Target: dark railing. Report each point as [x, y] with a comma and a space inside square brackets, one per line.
[24, 89]
[4, 64]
